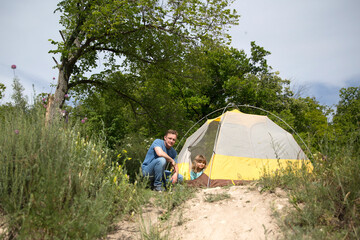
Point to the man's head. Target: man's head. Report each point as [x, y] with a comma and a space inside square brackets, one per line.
[170, 138]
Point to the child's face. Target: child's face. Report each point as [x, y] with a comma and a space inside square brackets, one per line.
[200, 165]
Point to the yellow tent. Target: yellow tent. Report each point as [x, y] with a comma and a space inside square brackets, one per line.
[240, 147]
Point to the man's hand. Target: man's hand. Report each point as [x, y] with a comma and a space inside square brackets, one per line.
[174, 178]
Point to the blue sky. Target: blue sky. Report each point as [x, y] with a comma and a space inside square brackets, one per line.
[313, 43]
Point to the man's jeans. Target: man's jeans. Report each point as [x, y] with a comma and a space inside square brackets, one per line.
[157, 173]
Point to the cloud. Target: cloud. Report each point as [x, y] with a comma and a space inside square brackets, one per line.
[325, 93]
[26, 27]
[353, 81]
[312, 43]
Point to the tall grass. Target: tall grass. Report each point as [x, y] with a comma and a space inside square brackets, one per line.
[326, 202]
[54, 184]
[167, 201]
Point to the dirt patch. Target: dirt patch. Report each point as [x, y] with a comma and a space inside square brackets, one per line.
[244, 213]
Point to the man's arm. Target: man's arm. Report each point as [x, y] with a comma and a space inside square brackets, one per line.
[163, 154]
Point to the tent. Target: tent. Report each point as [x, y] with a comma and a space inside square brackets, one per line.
[238, 148]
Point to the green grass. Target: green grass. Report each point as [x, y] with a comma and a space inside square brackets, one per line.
[55, 184]
[326, 202]
[149, 231]
[172, 198]
[167, 201]
[215, 197]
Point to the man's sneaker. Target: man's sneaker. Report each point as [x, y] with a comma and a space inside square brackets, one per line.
[159, 189]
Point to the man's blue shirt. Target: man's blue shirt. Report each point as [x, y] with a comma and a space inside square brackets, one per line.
[151, 154]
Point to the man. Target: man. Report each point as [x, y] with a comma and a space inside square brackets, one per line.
[159, 154]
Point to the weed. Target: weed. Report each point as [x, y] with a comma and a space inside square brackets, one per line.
[326, 202]
[56, 184]
[154, 232]
[175, 196]
[215, 197]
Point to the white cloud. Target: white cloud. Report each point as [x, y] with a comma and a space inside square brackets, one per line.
[309, 41]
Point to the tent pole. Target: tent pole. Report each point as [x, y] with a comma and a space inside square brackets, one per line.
[195, 125]
[216, 140]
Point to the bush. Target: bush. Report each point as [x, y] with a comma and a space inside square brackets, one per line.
[326, 202]
[332, 200]
[54, 184]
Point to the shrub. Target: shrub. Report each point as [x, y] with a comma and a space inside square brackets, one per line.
[54, 184]
[327, 201]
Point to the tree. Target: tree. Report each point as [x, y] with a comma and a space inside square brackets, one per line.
[309, 119]
[2, 90]
[234, 77]
[347, 110]
[139, 32]
[18, 97]
[346, 120]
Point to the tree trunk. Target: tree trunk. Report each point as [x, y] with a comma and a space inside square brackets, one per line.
[56, 101]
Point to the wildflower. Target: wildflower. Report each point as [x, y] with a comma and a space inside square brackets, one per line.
[129, 158]
[124, 151]
[115, 178]
[16, 131]
[83, 120]
[44, 99]
[66, 96]
[119, 155]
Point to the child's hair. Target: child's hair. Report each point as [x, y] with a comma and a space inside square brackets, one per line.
[199, 158]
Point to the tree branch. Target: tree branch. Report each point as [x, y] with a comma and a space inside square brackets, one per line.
[56, 62]
[105, 85]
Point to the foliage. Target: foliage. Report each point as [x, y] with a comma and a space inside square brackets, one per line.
[176, 97]
[2, 90]
[18, 97]
[215, 197]
[131, 153]
[325, 202]
[164, 65]
[54, 183]
[153, 232]
[347, 117]
[309, 119]
[235, 77]
[136, 34]
[173, 197]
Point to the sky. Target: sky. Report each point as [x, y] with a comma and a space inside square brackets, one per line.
[313, 43]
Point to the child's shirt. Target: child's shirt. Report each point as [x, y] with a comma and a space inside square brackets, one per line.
[194, 175]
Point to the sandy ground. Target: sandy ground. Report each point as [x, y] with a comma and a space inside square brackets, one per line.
[246, 214]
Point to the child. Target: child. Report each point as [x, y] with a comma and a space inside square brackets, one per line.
[199, 164]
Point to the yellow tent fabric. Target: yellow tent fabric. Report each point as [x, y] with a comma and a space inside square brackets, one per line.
[241, 148]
